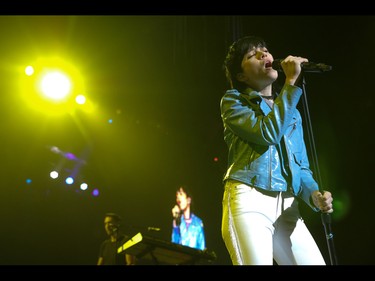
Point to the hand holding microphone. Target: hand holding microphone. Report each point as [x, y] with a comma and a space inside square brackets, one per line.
[292, 68]
[176, 213]
[306, 66]
[323, 200]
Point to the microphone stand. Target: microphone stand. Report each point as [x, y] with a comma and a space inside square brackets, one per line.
[325, 217]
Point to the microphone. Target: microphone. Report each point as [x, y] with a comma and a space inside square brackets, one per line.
[153, 228]
[306, 66]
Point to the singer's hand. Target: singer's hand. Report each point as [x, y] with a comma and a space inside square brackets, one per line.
[176, 211]
[292, 68]
[323, 201]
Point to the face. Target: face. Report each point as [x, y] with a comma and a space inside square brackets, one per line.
[257, 71]
[110, 224]
[182, 200]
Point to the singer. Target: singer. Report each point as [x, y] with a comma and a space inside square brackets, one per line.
[188, 229]
[268, 166]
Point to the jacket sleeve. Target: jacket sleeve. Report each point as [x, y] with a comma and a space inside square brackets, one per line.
[308, 183]
[245, 118]
[176, 237]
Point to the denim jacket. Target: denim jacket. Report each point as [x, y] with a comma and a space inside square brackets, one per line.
[266, 145]
[191, 235]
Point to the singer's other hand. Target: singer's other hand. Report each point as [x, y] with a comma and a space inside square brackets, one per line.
[176, 211]
[292, 68]
[323, 201]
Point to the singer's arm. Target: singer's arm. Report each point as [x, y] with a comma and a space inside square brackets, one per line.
[176, 236]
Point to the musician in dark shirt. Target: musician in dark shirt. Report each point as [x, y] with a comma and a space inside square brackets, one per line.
[108, 249]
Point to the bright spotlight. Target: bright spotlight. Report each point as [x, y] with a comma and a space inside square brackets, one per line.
[69, 180]
[51, 85]
[54, 174]
[29, 70]
[55, 85]
[80, 99]
[83, 186]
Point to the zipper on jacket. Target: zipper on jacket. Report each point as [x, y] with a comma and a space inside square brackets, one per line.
[270, 166]
[293, 129]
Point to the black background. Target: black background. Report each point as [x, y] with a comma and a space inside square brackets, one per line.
[159, 78]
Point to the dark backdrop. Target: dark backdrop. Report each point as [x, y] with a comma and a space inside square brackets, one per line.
[159, 78]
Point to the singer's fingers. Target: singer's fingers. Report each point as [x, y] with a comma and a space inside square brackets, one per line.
[317, 198]
[327, 198]
[317, 194]
[327, 194]
[293, 59]
[301, 59]
[327, 209]
[176, 211]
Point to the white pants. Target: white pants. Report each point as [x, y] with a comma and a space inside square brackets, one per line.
[258, 229]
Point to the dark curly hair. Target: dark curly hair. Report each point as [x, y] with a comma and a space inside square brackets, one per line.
[117, 218]
[233, 59]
